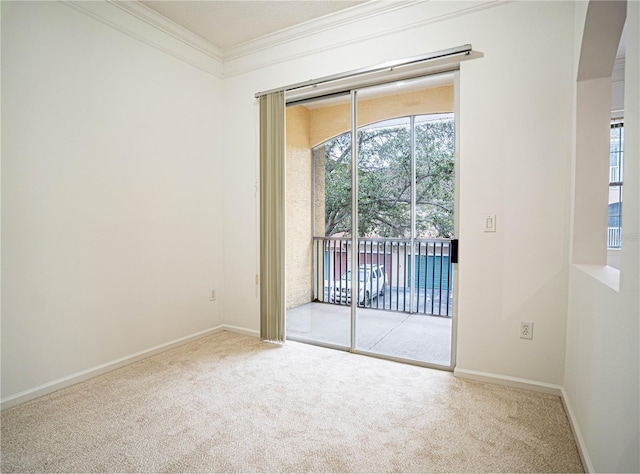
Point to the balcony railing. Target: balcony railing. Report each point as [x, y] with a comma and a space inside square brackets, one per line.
[392, 276]
[615, 174]
[614, 237]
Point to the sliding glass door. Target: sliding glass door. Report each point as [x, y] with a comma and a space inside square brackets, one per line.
[381, 273]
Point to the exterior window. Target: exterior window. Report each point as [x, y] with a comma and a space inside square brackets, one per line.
[616, 176]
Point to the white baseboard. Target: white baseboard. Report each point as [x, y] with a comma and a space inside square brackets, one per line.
[536, 387]
[87, 374]
[240, 330]
[577, 434]
[73, 379]
[509, 381]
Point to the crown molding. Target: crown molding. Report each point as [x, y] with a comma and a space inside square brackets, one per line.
[169, 27]
[247, 60]
[145, 25]
[347, 16]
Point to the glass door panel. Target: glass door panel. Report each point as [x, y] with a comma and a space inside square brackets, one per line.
[405, 220]
[384, 228]
[318, 225]
[435, 151]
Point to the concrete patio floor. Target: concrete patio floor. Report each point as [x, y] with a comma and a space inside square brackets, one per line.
[416, 337]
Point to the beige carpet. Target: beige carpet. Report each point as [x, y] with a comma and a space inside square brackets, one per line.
[230, 403]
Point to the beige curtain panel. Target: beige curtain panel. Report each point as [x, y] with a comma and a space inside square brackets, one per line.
[272, 202]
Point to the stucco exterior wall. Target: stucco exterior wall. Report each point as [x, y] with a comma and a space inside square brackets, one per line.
[328, 122]
[298, 207]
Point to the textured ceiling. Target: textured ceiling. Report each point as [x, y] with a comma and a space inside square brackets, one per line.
[230, 23]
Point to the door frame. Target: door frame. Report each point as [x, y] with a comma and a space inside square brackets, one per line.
[355, 238]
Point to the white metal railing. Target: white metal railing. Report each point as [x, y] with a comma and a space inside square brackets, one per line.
[614, 237]
[615, 174]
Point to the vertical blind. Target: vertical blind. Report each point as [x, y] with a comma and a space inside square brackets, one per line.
[272, 212]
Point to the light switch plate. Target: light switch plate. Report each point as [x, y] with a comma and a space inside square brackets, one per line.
[489, 223]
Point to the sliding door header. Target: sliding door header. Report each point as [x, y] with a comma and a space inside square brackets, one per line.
[432, 63]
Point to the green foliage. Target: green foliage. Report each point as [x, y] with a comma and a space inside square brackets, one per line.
[384, 179]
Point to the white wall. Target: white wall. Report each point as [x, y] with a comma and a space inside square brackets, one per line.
[516, 125]
[515, 149]
[111, 195]
[602, 380]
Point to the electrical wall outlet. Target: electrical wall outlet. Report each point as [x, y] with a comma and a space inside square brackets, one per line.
[526, 330]
[212, 295]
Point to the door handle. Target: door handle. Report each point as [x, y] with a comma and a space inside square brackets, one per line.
[453, 251]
